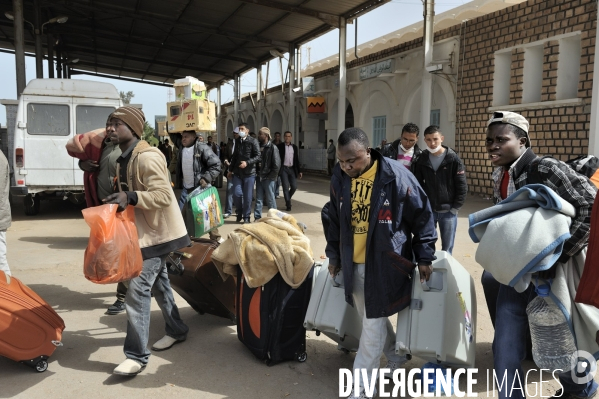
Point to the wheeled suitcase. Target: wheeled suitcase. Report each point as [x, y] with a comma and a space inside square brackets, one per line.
[440, 324]
[30, 329]
[328, 312]
[270, 319]
[199, 282]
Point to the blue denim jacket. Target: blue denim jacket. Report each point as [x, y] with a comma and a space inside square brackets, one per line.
[401, 228]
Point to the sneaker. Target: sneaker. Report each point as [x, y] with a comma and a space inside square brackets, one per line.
[277, 196]
[393, 366]
[288, 209]
[165, 343]
[246, 220]
[239, 218]
[129, 368]
[559, 394]
[361, 396]
[226, 215]
[116, 308]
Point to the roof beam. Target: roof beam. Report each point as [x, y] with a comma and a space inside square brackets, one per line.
[195, 28]
[105, 75]
[82, 49]
[330, 19]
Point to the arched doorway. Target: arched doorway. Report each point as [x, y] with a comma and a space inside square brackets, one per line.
[276, 122]
[349, 115]
[229, 131]
[251, 124]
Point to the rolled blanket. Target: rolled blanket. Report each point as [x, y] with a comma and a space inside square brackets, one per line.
[274, 244]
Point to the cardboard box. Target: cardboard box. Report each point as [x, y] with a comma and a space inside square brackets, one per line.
[196, 115]
[190, 88]
[161, 129]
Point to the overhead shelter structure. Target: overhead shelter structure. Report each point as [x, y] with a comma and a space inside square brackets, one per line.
[157, 41]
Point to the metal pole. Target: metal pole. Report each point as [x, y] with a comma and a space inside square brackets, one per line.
[259, 97]
[291, 109]
[236, 100]
[58, 64]
[50, 40]
[39, 51]
[219, 132]
[342, 75]
[17, 6]
[299, 66]
[427, 78]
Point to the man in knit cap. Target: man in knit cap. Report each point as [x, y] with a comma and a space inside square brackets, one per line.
[143, 182]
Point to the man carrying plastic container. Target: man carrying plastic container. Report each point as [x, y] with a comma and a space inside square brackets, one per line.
[380, 219]
[143, 182]
[508, 145]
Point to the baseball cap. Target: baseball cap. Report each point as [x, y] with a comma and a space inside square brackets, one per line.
[236, 130]
[511, 118]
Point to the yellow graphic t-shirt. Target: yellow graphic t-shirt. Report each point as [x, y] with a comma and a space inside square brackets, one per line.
[361, 191]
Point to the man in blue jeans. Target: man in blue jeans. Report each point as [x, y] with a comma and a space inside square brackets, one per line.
[442, 175]
[509, 148]
[143, 181]
[243, 171]
[268, 171]
[290, 168]
[228, 156]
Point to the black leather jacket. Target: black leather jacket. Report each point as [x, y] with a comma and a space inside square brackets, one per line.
[270, 164]
[247, 150]
[206, 164]
[391, 150]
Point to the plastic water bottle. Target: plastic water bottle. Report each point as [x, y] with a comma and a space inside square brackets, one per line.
[552, 341]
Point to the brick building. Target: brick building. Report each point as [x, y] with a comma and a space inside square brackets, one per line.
[535, 57]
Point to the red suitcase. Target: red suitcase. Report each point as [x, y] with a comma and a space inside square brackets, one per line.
[30, 330]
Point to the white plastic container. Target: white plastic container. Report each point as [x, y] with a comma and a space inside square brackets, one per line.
[440, 324]
[329, 314]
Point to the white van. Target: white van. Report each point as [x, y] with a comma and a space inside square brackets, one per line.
[50, 112]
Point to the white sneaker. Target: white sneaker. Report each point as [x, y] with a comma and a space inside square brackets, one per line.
[165, 343]
[361, 396]
[129, 368]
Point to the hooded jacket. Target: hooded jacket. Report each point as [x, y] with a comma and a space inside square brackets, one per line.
[159, 222]
[401, 228]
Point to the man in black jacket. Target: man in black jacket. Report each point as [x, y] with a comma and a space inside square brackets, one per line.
[243, 172]
[442, 175]
[290, 169]
[268, 172]
[405, 149]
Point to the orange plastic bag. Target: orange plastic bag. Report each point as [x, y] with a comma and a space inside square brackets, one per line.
[112, 254]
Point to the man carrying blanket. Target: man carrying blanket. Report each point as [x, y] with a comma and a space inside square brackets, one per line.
[508, 145]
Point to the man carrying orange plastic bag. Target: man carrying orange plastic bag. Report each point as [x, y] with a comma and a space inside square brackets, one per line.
[143, 182]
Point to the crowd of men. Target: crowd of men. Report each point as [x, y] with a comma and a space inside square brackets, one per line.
[422, 188]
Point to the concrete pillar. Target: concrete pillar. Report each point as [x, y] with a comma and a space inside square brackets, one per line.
[50, 40]
[427, 78]
[17, 6]
[219, 133]
[259, 97]
[342, 75]
[291, 108]
[236, 101]
[39, 51]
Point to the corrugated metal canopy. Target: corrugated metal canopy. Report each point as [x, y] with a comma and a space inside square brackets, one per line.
[157, 41]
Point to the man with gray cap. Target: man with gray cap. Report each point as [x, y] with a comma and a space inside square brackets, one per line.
[508, 145]
[143, 182]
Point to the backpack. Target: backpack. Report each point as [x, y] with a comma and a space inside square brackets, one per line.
[585, 165]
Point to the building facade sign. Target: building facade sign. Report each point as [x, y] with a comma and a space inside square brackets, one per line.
[374, 70]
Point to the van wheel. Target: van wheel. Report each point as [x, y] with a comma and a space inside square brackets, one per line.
[32, 204]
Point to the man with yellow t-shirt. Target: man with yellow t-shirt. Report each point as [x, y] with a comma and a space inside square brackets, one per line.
[380, 219]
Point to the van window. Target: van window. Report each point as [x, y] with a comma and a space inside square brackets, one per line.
[48, 119]
[91, 117]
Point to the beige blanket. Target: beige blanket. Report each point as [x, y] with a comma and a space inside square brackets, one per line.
[273, 244]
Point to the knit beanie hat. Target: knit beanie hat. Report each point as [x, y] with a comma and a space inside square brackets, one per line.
[133, 117]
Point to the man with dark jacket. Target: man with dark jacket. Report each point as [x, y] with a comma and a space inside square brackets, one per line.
[442, 175]
[405, 149]
[227, 161]
[290, 169]
[268, 171]
[380, 219]
[243, 171]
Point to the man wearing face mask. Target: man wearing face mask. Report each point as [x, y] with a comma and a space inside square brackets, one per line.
[442, 175]
[243, 171]
[405, 149]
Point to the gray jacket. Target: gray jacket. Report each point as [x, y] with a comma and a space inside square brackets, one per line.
[5, 217]
[331, 152]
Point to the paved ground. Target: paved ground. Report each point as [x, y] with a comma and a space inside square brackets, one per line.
[46, 252]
